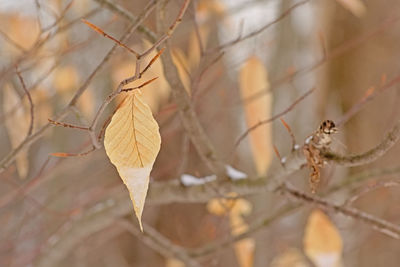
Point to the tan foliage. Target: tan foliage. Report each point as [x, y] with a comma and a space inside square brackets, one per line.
[132, 142]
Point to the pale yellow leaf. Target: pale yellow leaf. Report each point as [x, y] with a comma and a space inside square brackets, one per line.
[173, 262]
[194, 52]
[22, 30]
[244, 250]
[291, 257]
[132, 142]
[356, 7]
[236, 208]
[322, 241]
[253, 79]
[210, 8]
[222, 206]
[43, 110]
[66, 80]
[17, 125]
[181, 62]
[86, 103]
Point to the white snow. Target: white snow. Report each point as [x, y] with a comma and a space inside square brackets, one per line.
[190, 180]
[234, 174]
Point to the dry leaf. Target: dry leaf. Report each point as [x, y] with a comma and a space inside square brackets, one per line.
[254, 79]
[17, 125]
[322, 241]
[173, 262]
[23, 30]
[194, 52]
[86, 103]
[132, 142]
[210, 8]
[43, 109]
[292, 257]
[182, 65]
[356, 7]
[236, 208]
[65, 80]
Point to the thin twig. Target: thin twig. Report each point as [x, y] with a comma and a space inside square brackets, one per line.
[335, 53]
[8, 159]
[32, 112]
[69, 155]
[256, 32]
[290, 133]
[122, 11]
[136, 76]
[68, 125]
[370, 94]
[159, 243]
[97, 29]
[190, 121]
[385, 227]
[12, 42]
[280, 114]
[368, 189]
[152, 61]
[170, 30]
[161, 193]
[139, 86]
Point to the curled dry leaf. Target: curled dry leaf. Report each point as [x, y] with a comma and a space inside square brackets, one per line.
[322, 241]
[132, 142]
[253, 79]
[17, 125]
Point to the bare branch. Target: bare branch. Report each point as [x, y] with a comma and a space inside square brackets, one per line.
[187, 113]
[290, 133]
[371, 155]
[97, 29]
[254, 33]
[29, 99]
[280, 114]
[8, 159]
[385, 227]
[170, 30]
[159, 243]
[68, 125]
[103, 214]
[122, 11]
[370, 94]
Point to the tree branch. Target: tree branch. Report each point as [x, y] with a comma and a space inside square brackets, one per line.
[122, 11]
[160, 243]
[385, 227]
[371, 155]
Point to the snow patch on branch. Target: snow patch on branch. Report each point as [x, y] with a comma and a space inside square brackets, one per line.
[190, 180]
[232, 173]
[235, 174]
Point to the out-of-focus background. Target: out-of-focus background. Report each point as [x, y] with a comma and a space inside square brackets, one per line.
[241, 62]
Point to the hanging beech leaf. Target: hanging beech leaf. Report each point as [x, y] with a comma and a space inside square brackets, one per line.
[132, 142]
[322, 241]
[253, 79]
